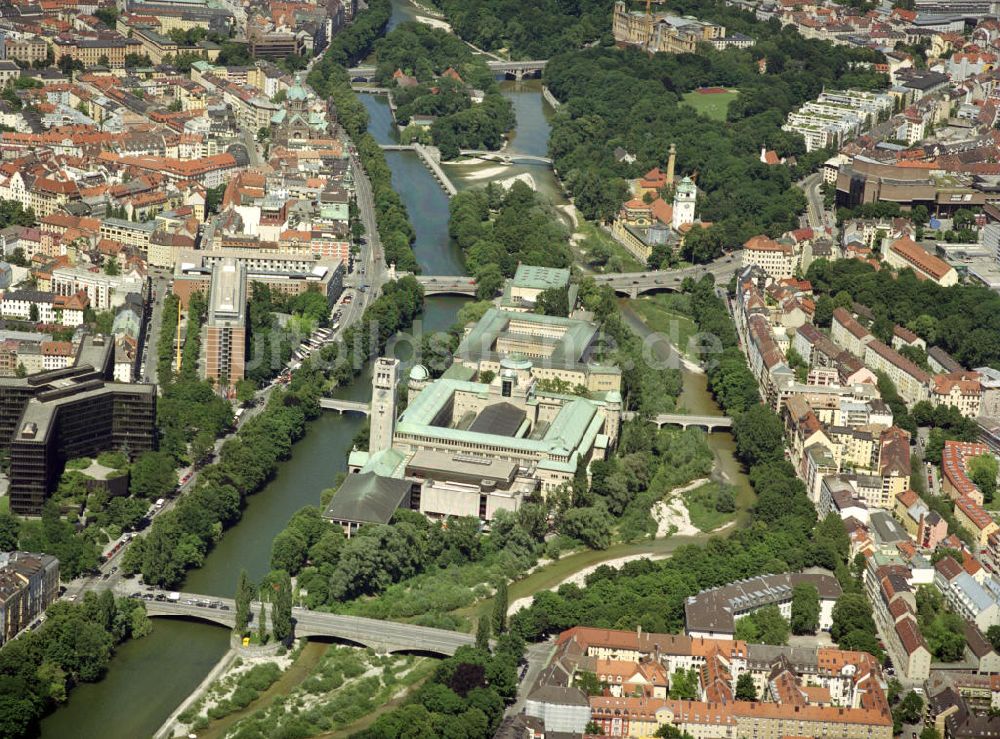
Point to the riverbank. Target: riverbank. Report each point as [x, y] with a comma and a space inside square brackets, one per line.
[221, 668]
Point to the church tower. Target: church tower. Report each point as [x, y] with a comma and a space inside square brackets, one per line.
[385, 377]
[684, 198]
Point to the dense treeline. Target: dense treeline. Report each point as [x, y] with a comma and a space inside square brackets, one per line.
[392, 311]
[393, 222]
[497, 230]
[329, 78]
[964, 320]
[529, 29]
[647, 388]
[783, 535]
[465, 697]
[352, 44]
[729, 378]
[426, 53]
[181, 537]
[625, 98]
[74, 646]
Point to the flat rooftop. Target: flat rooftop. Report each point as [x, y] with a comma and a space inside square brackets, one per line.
[228, 294]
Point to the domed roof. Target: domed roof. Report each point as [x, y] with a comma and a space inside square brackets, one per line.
[297, 91]
[515, 362]
[419, 373]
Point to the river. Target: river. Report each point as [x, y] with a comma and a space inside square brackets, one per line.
[149, 677]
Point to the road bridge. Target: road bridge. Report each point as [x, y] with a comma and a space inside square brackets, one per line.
[447, 284]
[344, 406]
[383, 636]
[366, 72]
[706, 423]
[634, 284]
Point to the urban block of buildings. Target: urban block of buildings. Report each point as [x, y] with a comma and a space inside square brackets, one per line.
[802, 692]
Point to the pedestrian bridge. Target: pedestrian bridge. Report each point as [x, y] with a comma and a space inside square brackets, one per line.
[499, 156]
[385, 637]
[344, 406]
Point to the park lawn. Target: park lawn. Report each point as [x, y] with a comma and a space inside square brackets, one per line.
[676, 327]
[590, 230]
[714, 106]
[5, 504]
[701, 506]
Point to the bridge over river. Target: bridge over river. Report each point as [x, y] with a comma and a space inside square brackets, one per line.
[366, 72]
[383, 636]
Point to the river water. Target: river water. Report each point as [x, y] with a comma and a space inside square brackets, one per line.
[148, 678]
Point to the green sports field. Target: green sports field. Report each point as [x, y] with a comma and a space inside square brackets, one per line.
[712, 105]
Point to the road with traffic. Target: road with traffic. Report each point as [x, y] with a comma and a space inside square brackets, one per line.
[815, 216]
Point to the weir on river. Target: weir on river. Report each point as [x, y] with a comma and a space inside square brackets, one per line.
[149, 677]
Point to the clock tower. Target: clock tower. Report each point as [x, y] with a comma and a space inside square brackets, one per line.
[385, 378]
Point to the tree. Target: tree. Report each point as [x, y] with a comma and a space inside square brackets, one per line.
[764, 626]
[983, 473]
[483, 633]
[672, 732]
[489, 280]
[153, 475]
[993, 634]
[244, 595]
[910, 709]
[684, 685]
[590, 525]
[262, 624]
[553, 301]
[245, 392]
[805, 609]
[10, 530]
[745, 688]
[281, 612]
[288, 551]
[851, 612]
[500, 605]
[759, 434]
[33, 313]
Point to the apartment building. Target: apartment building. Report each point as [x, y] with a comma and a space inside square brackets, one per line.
[911, 382]
[44, 307]
[972, 517]
[104, 291]
[905, 253]
[712, 614]
[776, 258]
[954, 475]
[978, 602]
[29, 583]
[848, 333]
[837, 115]
[961, 389]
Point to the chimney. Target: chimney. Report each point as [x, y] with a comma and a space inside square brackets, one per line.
[638, 631]
[671, 165]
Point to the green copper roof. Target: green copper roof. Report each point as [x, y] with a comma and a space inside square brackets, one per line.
[540, 278]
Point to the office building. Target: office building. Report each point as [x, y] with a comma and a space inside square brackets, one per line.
[51, 417]
[226, 328]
